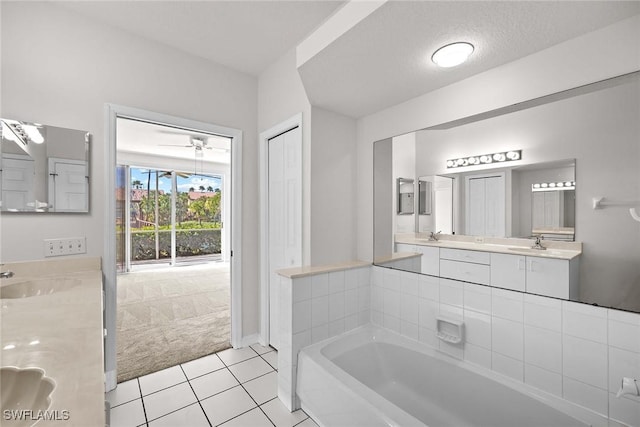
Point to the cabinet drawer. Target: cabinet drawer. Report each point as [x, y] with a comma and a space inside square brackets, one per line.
[465, 271]
[466, 256]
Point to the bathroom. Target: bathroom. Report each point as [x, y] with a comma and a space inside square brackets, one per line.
[60, 66]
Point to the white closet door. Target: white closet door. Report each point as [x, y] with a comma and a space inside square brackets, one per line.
[476, 207]
[17, 182]
[285, 215]
[70, 187]
[486, 211]
[494, 207]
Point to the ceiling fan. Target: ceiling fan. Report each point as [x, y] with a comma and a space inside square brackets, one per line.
[197, 143]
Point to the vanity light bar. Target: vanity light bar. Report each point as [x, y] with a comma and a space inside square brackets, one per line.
[485, 159]
[550, 186]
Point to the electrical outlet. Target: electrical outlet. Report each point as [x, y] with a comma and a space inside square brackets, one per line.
[67, 246]
[479, 239]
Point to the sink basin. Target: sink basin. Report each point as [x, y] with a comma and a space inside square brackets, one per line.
[38, 287]
[24, 390]
[534, 251]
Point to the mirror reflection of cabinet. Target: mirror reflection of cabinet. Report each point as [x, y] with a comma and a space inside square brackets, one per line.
[405, 191]
[424, 197]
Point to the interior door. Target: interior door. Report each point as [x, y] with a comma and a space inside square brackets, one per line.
[285, 213]
[68, 185]
[486, 210]
[17, 182]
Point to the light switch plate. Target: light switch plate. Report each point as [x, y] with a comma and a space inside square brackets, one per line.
[65, 246]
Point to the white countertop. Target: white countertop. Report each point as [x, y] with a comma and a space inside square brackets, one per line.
[512, 246]
[310, 270]
[62, 334]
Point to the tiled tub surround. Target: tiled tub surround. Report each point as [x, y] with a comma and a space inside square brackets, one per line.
[60, 333]
[571, 350]
[317, 303]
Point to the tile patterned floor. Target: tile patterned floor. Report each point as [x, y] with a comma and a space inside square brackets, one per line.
[236, 387]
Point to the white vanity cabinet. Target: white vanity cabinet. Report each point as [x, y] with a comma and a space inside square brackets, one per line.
[468, 266]
[429, 257]
[536, 275]
[430, 260]
[508, 271]
[552, 277]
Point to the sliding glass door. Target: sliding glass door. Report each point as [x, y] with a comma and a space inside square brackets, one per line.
[173, 217]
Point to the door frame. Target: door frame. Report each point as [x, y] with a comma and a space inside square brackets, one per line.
[287, 125]
[111, 113]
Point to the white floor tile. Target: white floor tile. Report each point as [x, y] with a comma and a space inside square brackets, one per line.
[213, 383]
[253, 418]
[271, 358]
[124, 392]
[161, 379]
[250, 369]
[226, 405]
[192, 416]
[307, 423]
[280, 415]
[202, 366]
[168, 400]
[263, 388]
[128, 415]
[260, 349]
[232, 356]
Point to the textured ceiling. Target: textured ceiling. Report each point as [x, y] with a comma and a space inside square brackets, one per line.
[385, 59]
[246, 36]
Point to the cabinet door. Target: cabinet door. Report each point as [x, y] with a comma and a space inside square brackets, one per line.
[508, 271]
[405, 248]
[430, 262]
[548, 277]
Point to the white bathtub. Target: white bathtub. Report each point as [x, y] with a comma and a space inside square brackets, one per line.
[374, 377]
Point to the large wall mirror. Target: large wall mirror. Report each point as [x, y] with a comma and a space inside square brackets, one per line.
[577, 146]
[43, 168]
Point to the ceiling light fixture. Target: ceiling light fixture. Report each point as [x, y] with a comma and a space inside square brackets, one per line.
[485, 159]
[452, 54]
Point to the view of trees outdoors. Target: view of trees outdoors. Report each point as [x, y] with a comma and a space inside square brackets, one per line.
[198, 214]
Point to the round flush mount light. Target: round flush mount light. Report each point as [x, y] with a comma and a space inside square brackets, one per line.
[452, 54]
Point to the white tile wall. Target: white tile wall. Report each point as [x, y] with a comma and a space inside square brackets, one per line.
[572, 350]
[316, 307]
[576, 351]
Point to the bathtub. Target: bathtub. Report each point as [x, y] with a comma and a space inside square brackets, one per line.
[374, 377]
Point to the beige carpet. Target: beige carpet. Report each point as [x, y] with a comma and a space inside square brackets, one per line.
[170, 315]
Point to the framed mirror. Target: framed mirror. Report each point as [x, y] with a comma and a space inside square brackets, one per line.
[43, 168]
[578, 147]
[406, 199]
[424, 197]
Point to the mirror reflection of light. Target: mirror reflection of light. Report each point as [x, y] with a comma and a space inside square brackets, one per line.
[9, 347]
[34, 342]
[33, 133]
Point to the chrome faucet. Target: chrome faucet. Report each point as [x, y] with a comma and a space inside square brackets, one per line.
[433, 237]
[6, 275]
[538, 242]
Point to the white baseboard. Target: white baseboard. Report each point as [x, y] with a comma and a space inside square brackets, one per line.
[250, 339]
[110, 380]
